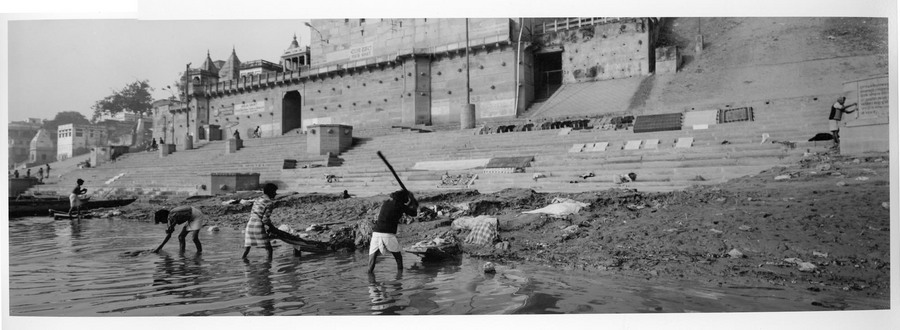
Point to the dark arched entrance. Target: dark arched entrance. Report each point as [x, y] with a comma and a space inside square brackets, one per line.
[290, 111]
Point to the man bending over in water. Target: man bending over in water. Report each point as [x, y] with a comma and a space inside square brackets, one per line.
[188, 215]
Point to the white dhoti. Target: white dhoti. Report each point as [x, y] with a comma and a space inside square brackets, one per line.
[384, 242]
[74, 200]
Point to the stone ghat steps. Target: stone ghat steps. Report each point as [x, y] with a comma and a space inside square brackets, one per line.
[780, 128]
[362, 172]
[549, 147]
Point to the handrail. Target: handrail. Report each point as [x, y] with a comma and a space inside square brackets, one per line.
[572, 23]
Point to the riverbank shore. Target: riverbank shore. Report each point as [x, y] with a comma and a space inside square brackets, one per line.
[821, 225]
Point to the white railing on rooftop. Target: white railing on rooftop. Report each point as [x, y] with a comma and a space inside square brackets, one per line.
[571, 23]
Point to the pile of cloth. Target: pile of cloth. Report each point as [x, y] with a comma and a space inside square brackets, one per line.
[483, 229]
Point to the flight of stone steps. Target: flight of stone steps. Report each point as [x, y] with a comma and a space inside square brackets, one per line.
[719, 153]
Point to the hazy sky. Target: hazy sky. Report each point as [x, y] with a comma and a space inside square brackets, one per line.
[67, 65]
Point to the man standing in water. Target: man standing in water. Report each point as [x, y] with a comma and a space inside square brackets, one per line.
[384, 231]
[75, 197]
[190, 216]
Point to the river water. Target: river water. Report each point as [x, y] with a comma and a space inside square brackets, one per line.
[100, 267]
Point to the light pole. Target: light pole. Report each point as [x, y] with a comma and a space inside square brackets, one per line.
[468, 99]
[187, 103]
[467, 116]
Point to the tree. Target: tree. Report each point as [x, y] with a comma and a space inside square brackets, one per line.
[65, 117]
[133, 97]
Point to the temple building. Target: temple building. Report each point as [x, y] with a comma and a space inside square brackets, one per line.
[20, 135]
[407, 72]
[42, 148]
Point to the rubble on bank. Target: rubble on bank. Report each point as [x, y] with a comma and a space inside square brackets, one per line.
[757, 230]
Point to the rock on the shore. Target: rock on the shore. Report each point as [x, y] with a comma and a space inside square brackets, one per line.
[735, 254]
[212, 228]
[806, 266]
[489, 268]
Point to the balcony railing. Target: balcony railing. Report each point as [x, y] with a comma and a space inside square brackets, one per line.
[572, 23]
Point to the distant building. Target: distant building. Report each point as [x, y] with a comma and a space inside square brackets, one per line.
[42, 149]
[127, 116]
[167, 114]
[295, 57]
[20, 135]
[258, 68]
[73, 140]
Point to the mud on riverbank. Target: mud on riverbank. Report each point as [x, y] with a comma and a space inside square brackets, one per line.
[819, 225]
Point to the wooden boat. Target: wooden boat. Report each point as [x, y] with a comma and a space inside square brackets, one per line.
[22, 206]
[64, 215]
[300, 243]
[436, 250]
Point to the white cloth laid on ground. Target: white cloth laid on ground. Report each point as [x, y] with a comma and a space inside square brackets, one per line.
[560, 207]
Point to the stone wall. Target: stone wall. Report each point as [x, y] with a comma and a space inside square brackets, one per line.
[384, 72]
[607, 51]
[410, 91]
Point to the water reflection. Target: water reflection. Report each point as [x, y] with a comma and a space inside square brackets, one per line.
[259, 283]
[181, 277]
[537, 302]
[90, 267]
[383, 295]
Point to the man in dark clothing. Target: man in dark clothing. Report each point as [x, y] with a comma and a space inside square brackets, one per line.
[16, 174]
[384, 231]
[48, 170]
[838, 109]
[28, 173]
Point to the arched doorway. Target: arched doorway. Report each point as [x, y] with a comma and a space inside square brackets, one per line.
[290, 111]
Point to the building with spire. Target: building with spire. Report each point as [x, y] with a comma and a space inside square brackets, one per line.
[231, 70]
[20, 134]
[42, 149]
[295, 57]
[379, 73]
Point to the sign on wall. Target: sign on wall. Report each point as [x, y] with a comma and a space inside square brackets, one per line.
[249, 108]
[440, 108]
[496, 108]
[354, 53]
[871, 95]
[224, 111]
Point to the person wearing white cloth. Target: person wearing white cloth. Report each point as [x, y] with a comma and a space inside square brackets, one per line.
[75, 197]
[384, 231]
[192, 219]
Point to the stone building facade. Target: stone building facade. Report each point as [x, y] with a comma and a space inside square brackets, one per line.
[20, 134]
[408, 72]
[42, 148]
[73, 140]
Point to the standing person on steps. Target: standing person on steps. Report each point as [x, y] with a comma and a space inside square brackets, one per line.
[384, 231]
[838, 109]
